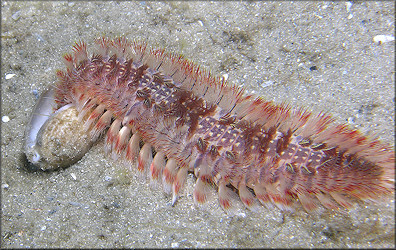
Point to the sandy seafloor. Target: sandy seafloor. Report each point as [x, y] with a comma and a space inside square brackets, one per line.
[319, 55]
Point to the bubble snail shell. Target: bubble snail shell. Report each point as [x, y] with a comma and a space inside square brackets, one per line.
[55, 139]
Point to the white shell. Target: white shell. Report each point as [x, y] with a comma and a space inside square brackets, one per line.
[55, 139]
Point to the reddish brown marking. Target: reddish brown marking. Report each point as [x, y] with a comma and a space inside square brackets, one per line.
[188, 108]
[176, 186]
[169, 177]
[225, 203]
[201, 145]
[155, 172]
[127, 72]
[200, 197]
[283, 142]
[227, 120]
[141, 164]
[139, 73]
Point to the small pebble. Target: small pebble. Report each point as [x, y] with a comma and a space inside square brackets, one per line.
[5, 119]
[78, 204]
[16, 15]
[73, 203]
[73, 176]
[348, 6]
[380, 39]
[116, 204]
[9, 76]
[241, 214]
[39, 37]
[174, 244]
[36, 93]
[52, 211]
[267, 83]
[351, 120]
[5, 186]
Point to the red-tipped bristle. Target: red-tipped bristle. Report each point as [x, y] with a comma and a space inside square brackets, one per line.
[80, 52]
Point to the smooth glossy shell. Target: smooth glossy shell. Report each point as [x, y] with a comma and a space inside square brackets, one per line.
[55, 140]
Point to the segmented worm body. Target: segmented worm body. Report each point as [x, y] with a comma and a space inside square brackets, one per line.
[171, 117]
